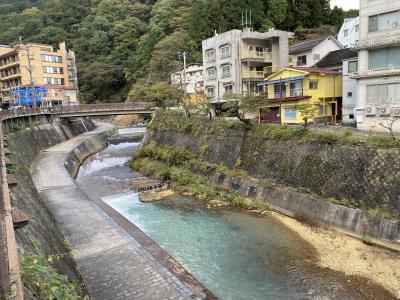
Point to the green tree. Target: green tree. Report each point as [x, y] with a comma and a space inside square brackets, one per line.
[242, 106]
[307, 111]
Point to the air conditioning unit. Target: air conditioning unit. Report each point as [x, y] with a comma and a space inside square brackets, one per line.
[383, 111]
[369, 111]
[396, 111]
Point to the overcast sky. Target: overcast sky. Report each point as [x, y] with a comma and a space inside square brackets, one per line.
[346, 4]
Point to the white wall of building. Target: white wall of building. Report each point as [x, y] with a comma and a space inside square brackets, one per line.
[349, 34]
[194, 79]
[349, 97]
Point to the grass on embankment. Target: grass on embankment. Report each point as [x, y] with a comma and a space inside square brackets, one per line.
[174, 164]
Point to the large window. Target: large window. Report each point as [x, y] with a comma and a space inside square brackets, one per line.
[383, 22]
[210, 91]
[302, 60]
[225, 51]
[383, 93]
[296, 88]
[353, 66]
[280, 90]
[211, 73]
[51, 58]
[53, 70]
[226, 71]
[50, 80]
[384, 58]
[228, 88]
[210, 54]
[290, 113]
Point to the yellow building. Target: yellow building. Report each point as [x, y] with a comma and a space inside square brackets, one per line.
[294, 86]
[51, 70]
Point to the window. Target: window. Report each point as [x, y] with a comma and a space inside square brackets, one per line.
[225, 51]
[384, 58]
[357, 27]
[53, 70]
[50, 80]
[302, 60]
[211, 73]
[51, 58]
[383, 93]
[346, 32]
[353, 66]
[290, 113]
[296, 88]
[313, 85]
[349, 94]
[210, 91]
[210, 54]
[226, 71]
[383, 22]
[30, 57]
[351, 116]
[278, 88]
[228, 88]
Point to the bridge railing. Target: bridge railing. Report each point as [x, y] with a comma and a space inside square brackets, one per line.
[81, 108]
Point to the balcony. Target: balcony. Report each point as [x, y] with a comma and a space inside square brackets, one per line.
[257, 56]
[11, 76]
[378, 42]
[253, 75]
[9, 65]
[376, 73]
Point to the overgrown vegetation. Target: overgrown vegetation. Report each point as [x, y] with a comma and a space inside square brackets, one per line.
[127, 43]
[166, 120]
[42, 279]
[174, 164]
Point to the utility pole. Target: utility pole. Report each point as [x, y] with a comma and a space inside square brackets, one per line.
[187, 112]
[30, 70]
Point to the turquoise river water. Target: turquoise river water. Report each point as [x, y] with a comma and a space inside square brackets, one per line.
[235, 254]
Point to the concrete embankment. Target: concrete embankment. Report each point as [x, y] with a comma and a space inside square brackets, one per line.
[299, 177]
[42, 234]
[113, 264]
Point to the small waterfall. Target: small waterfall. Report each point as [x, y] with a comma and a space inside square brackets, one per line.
[84, 126]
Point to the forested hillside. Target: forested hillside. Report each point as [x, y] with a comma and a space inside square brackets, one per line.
[120, 43]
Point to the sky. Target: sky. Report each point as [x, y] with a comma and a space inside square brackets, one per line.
[346, 4]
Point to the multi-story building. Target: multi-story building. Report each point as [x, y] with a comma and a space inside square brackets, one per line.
[349, 33]
[194, 80]
[308, 53]
[378, 75]
[24, 66]
[291, 88]
[237, 60]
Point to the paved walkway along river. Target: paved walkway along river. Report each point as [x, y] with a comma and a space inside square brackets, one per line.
[113, 264]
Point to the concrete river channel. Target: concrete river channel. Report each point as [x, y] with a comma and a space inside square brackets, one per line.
[234, 253]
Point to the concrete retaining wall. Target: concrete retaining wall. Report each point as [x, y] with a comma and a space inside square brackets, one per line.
[42, 233]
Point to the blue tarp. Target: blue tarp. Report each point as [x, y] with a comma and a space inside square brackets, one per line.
[28, 100]
[23, 95]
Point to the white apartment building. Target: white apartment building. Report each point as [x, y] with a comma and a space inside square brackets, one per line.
[378, 74]
[194, 79]
[349, 33]
[308, 53]
[235, 61]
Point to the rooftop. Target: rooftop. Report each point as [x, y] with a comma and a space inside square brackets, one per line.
[316, 70]
[308, 44]
[335, 58]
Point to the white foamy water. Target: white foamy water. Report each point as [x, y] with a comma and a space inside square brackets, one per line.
[101, 164]
[122, 146]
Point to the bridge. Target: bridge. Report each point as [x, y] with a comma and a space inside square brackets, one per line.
[9, 263]
[83, 110]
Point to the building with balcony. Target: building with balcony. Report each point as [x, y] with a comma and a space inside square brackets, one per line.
[349, 33]
[194, 80]
[25, 65]
[308, 53]
[378, 74]
[237, 60]
[292, 87]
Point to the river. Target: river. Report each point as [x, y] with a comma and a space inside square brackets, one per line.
[234, 253]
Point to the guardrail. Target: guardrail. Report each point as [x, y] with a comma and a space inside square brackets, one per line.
[377, 42]
[78, 109]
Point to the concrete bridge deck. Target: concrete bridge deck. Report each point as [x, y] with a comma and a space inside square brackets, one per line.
[112, 263]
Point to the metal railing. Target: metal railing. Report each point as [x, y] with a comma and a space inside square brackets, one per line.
[378, 41]
[78, 109]
[253, 74]
[262, 55]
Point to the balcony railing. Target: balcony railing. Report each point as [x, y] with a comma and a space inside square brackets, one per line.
[377, 42]
[376, 72]
[253, 74]
[257, 55]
